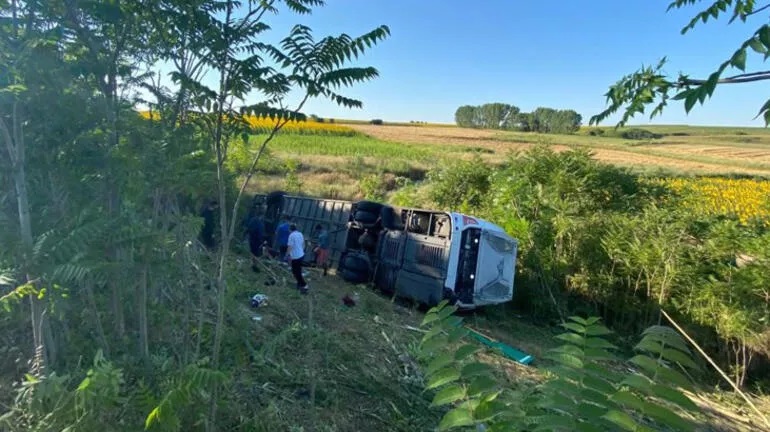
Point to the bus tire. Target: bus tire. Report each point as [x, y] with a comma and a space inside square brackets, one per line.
[356, 263]
[355, 277]
[365, 217]
[369, 207]
[274, 197]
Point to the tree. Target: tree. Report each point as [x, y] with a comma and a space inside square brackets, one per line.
[465, 116]
[651, 85]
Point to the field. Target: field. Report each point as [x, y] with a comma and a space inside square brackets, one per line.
[683, 149]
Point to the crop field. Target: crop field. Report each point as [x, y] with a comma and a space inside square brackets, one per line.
[681, 149]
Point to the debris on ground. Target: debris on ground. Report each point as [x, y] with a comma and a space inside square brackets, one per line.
[348, 300]
[258, 300]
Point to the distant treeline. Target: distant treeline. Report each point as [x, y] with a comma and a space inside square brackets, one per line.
[509, 117]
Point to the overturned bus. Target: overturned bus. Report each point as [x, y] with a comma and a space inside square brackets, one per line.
[420, 254]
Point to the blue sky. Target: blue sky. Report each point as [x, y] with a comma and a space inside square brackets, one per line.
[560, 54]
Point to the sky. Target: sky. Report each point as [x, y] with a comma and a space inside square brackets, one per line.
[561, 54]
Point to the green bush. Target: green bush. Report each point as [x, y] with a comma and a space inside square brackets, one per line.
[639, 134]
[376, 122]
[460, 185]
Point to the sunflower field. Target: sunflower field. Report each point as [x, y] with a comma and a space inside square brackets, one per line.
[746, 200]
[263, 125]
[308, 127]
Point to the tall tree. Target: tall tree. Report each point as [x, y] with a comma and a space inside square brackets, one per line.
[465, 116]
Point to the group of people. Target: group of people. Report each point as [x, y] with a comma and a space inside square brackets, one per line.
[289, 240]
[291, 246]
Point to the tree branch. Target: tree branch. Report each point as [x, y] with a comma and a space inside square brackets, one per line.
[756, 11]
[252, 169]
[736, 79]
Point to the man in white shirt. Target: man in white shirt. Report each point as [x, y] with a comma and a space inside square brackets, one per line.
[296, 252]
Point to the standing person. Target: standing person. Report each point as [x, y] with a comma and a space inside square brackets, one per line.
[256, 230]
[296, 252]
[282, 235]
[207, 231]
[322, 249]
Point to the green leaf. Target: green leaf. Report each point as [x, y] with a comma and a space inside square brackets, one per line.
[674, 396]
[442, 377]
[577, 328]
[434, 345]
[475, 369]
[621, 419]
[679, 357]
[455, 418]
[764, 35]
[488, 410]
[690, 100]
[565, 359]
[666, 417]
[580, 320]
[572, 338]
[442, 360]
[429, 318]
[481, 384]
[465, 351]
[597, 330]
[591, 411]
[597, 342]
[552, 422]
[569, 349]
[649, 365]
[638, 382]
[598, 384]
[757, 46]
[739, 59]
[599, 354]
[456, 334]
[448, 394]
[628, 399]
[433, 332]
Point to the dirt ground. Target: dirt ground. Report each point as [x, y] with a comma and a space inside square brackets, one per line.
[676, 156]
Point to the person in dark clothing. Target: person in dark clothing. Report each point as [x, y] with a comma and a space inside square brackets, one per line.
[207, 231]
[282, 235]
[256, 230]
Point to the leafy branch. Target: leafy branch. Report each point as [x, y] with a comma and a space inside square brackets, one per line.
[650, 85]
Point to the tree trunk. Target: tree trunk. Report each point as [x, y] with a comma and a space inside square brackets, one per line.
[144, 350]
[14, 140]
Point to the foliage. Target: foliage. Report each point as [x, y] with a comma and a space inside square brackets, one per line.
[101, 225]
[586, 392]
[599, 240]
[650, 85]
[639, 134]
[462, 184]
[373, 188]
[509, 117]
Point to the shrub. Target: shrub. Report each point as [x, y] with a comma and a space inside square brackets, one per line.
[376, 122]
[462, 184]
[639, 134]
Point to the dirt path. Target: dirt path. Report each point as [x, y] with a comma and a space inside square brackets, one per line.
[488, 139]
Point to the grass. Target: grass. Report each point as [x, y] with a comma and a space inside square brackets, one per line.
[313, 363]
